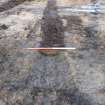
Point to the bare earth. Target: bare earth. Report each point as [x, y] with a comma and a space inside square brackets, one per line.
[70, 78]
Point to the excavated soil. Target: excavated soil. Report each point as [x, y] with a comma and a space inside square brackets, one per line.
[72, 77]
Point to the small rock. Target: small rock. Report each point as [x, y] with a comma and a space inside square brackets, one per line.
[4, 27]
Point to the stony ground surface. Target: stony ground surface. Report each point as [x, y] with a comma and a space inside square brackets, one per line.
[69, 78]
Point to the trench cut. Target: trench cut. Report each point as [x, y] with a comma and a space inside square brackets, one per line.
[52, 29]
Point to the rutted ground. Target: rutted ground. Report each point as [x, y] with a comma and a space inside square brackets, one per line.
[72, 77]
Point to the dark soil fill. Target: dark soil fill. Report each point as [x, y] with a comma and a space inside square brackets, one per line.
[52, 28]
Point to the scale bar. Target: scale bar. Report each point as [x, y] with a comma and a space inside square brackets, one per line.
[53, 48]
